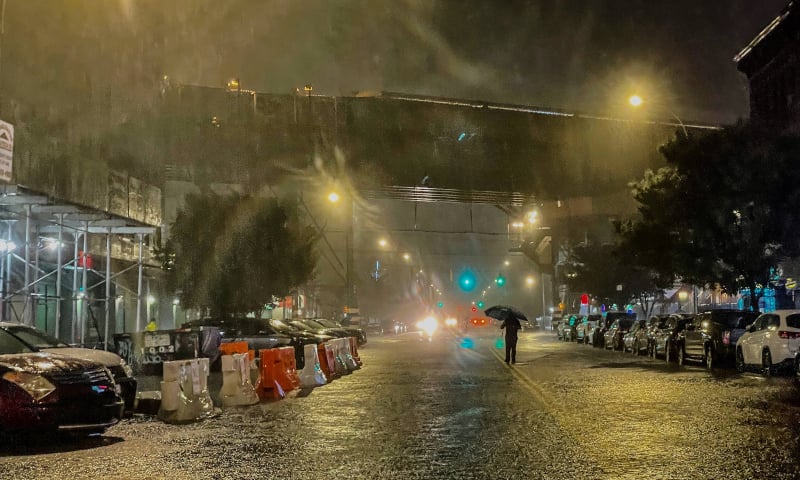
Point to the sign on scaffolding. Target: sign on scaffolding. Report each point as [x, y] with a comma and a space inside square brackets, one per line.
[6, 150]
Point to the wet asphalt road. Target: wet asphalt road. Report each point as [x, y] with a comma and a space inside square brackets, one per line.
[422, 409]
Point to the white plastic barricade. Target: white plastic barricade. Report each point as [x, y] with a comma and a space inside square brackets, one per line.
[236, 388]
[311, 375]
[184, 391]
[343, 345]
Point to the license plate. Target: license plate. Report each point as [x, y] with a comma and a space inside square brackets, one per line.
[156, 340]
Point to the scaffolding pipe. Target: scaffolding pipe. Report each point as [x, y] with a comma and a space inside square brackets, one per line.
[108, 288]
[85, 299]
[59, 266]
[139, 288]
[6, 312]
[75, 297]
[26, 310]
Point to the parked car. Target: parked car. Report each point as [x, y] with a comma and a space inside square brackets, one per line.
[770, 344]
[712, 336]
[584, 328]
[654, 324]
[310, 326]
[636, 338]
[605, 322]
[665, 339]
[566, 329]
[359, 333]
[49, 392]
[41, 341]
[612, 338]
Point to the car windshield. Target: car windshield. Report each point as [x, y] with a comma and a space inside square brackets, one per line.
[9, 344]
[35, 338]
[729, 319]
[626, 323]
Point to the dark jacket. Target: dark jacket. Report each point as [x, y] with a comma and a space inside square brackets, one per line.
[512, 326]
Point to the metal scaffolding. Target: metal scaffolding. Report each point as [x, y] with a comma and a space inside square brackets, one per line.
[35, 222]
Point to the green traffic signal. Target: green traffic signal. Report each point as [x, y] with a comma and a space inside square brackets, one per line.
[480, 304]
[500, 280]
[440, 304]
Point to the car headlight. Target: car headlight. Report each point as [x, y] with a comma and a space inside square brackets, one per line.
[34, 385]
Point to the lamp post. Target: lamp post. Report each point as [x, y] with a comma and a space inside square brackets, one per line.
[350, 294]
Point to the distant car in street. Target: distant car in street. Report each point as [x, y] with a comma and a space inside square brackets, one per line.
[374, 329]
[43, 342]
[771, 344]
[51, 392]
[712, 336]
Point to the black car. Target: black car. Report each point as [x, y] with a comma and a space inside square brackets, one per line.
[665, 339]
[359, 333]
[49, 392]
[41, 341]
[711, 337]
[311, 326]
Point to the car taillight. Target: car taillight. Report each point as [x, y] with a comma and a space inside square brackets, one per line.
[726, 337]
[787, 335]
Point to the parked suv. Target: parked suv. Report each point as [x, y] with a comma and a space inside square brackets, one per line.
[665, 339]
[711, 337]
[585, 327]
[636, 339]
[604, 324]
[770, 343]
[613, 337]
[566, 329]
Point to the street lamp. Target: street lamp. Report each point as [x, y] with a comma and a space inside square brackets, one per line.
[637, 101]
[682, 295]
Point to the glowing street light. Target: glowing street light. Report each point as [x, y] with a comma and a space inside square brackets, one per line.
[406, 257]
[635, 100]
[382, 242]
[529, 281]
[333, 197]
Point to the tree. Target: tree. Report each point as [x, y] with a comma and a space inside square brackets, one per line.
[724, 210]
[232, 254]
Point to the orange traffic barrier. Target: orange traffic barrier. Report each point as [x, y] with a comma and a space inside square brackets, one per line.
[327, 361]
[354, 350]
[268, 386]
[287, 375]
[229, 348]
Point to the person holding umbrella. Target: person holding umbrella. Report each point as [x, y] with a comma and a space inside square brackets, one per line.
[510, 317]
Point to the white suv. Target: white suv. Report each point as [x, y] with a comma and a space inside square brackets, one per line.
[770, 343]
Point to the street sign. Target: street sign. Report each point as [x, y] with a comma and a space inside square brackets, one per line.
[6, 150]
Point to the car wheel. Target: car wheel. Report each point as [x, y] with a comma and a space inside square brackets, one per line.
[681, 356]
[766, 364]
[666, 353]
[739, 360]
[709, 359]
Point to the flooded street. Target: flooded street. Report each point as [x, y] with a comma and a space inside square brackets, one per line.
[421, 409]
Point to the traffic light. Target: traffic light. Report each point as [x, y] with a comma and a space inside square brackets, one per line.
[440, 304]
[500, 280]
[474, 308]
[480, 304]
[467, 281]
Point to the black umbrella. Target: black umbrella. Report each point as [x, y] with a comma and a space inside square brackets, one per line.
[502, 312]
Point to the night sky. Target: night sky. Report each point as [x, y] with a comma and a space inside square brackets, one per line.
[576, 55]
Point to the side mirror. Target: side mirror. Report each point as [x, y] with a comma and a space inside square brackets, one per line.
[750, 328]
